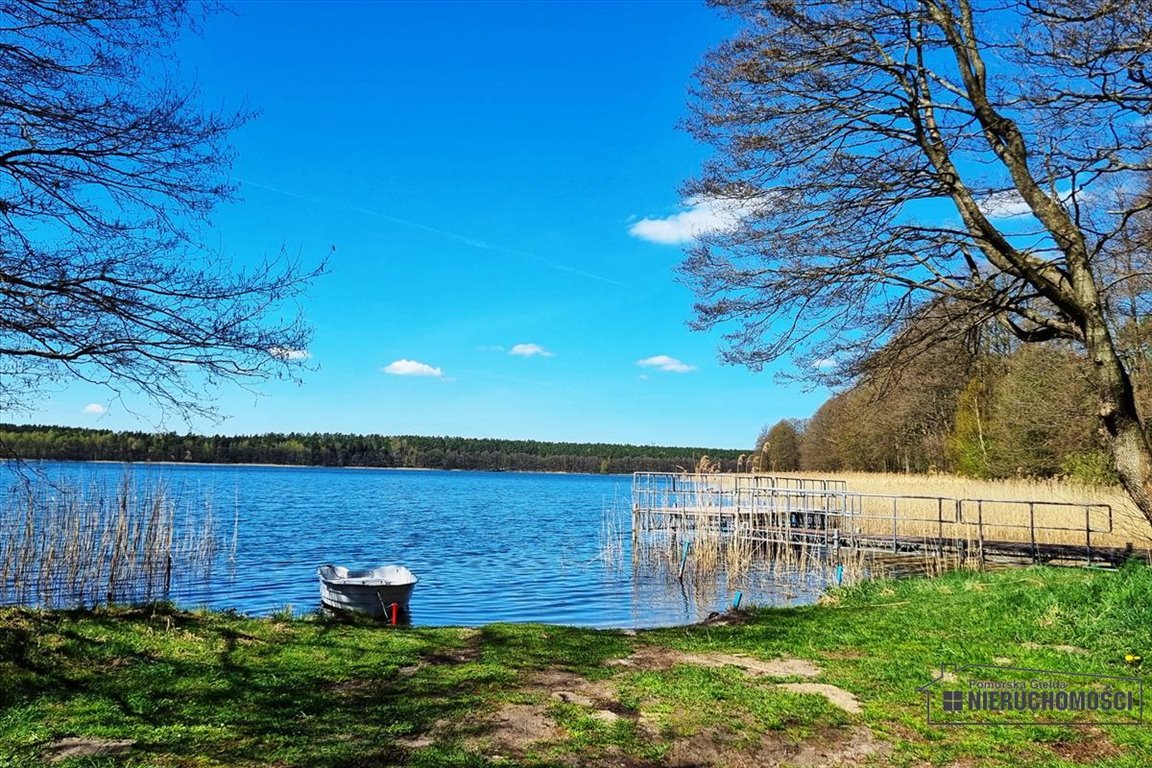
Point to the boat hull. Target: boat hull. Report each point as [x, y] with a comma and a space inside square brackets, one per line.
[371, 592]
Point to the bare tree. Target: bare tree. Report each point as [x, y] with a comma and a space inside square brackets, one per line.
[889, 153]
[108, 172]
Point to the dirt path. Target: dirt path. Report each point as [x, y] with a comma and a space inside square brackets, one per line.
[525, 726]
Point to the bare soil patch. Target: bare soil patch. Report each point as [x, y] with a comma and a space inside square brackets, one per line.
[359, 687]
[839, 747]
[515, 729]
[561, 681]
[665, 658]
[463, 655]
[1069, 649]
[1093, 745]
[449, 656]
[836, 696]
[518, 729]
[79, 747]
[568, 687]
[416, 742]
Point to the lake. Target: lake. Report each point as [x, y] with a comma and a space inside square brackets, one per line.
[488, 547]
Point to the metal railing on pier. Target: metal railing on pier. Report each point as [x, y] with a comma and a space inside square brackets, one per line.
[818, 512]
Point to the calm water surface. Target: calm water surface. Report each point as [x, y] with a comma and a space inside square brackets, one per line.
[487, 546]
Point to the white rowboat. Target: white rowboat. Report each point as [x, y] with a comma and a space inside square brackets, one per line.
[372, 591]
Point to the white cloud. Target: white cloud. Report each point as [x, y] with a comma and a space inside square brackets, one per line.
[529, 350]
[284, 353]
[1004, 205]
[95, 409]
[704, 216]
[1009, 204]
[826, 363]
[411, 368]
[666, 363]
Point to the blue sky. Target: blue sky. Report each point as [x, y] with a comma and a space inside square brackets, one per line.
[499, 181]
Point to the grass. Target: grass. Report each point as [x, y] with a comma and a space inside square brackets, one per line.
[218, 689]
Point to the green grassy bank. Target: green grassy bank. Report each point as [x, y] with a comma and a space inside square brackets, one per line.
[167, 688]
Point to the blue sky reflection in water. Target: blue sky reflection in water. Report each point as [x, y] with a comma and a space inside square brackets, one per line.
[487, 546]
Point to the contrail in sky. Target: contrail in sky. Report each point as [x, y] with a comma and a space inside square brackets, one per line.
[454, 236]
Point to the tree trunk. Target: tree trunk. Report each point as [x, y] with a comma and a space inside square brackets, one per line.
[1120, 419]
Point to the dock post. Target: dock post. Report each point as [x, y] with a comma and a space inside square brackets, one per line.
[895, 528]
[1032, 530]
[940, 526]
[980, 527]
[684, 560]
[1088, 532]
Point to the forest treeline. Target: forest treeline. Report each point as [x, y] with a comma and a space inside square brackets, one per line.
[990, 410]
[340, 450]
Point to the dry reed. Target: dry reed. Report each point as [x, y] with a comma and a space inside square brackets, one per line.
[1059, 508]
[66, 546]
[802, 528]
[698, 528]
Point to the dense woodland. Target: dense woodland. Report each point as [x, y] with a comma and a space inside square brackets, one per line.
[337, 450]
[990, 409]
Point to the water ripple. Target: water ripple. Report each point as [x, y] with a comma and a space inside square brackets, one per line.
[487, 546]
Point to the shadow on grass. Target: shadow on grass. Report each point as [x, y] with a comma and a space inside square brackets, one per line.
[539, 646]
[213, 689]
[190, 688]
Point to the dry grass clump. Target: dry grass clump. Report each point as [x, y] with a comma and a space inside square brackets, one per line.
[67, 546]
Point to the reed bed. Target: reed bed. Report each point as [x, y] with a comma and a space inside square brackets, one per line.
[1059, 508]
[69, 546]
[706, 548]
[937, 506]
[615, 529]
[770, 574]
[800, 529]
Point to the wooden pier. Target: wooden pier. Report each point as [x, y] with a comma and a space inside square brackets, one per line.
[825, 514]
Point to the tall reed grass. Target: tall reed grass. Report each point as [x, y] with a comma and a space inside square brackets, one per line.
[1060, 519]
[63, 545]
[690, 530]
[792, 527]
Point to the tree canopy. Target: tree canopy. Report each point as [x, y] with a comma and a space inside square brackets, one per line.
[987, 415]
[344, 450]
[109, 170]
[982, 158]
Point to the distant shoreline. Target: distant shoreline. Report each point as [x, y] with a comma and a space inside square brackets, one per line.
[316, 466]
[359, 451]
